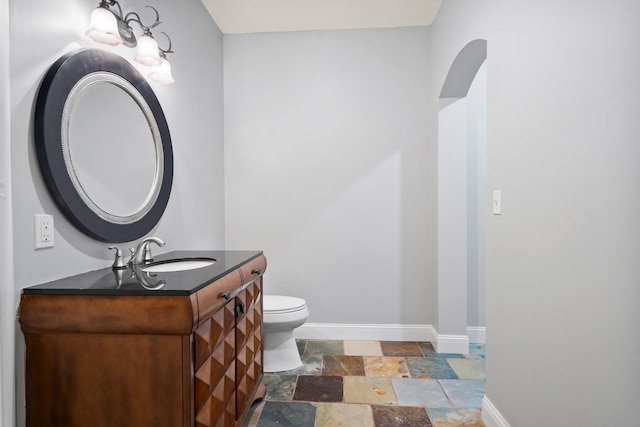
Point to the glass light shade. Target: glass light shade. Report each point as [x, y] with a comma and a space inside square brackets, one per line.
[103, 27]
[162, 73]
[147, 52]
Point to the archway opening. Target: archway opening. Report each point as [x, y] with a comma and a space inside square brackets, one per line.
[461, 190]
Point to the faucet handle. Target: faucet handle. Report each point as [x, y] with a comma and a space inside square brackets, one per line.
[147, 257]
[118, 263]
[142, 253]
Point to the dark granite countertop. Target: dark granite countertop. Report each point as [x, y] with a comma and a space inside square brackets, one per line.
[107, 281]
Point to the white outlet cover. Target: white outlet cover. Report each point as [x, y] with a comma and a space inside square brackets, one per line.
[40, 222]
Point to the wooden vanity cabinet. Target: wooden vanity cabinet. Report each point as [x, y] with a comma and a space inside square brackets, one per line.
[131, 360]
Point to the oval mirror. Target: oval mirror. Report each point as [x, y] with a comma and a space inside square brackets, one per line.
[103, 145]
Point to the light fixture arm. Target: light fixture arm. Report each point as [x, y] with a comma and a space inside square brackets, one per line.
[163, 52]
[134, 17]
[106, 4]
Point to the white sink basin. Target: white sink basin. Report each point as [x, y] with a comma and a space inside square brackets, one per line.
[177, 265]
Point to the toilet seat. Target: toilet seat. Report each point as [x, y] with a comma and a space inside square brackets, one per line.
[279, 304]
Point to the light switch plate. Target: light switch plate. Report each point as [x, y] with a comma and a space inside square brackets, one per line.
[497, 202]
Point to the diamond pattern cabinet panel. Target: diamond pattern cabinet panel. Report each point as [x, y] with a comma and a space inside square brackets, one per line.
[241, 332]
[212, 398]
[248, 344]
[203, 417]
[203, 388]
[202, 343]
[241, 393]
[231, 385]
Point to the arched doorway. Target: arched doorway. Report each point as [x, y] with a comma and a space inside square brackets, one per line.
[461, 177]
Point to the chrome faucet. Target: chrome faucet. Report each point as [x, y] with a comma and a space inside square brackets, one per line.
[142, 254]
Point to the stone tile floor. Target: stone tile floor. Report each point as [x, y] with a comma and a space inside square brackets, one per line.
[374, 384]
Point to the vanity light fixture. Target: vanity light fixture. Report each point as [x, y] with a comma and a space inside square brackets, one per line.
[114, 28]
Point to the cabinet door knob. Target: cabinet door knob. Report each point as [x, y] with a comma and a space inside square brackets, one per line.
[257, 271]
[226, 295]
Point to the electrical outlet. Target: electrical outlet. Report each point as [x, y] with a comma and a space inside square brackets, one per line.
[43, 231]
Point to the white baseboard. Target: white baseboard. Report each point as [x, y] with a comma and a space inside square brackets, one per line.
[477, 334]
[452, 343]
[491, 416]
[384, 332]
[366, 332]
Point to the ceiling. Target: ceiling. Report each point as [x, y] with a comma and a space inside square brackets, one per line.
[259, 16]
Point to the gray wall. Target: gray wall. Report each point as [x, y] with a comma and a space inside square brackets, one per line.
[562, 260]
[330, 171]
[7, 292]
[41, 31]
[476, 197]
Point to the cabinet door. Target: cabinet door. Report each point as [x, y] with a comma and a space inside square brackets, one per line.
[248, 343]
[215, 370]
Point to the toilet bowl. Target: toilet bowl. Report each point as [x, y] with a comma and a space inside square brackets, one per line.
[281, 315]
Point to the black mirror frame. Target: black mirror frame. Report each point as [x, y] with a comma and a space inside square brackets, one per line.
[52, 95]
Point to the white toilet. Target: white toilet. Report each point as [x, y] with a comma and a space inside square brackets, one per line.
[281, 315]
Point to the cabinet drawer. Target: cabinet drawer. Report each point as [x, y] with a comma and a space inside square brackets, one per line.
[253, 269]
[212, 297]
